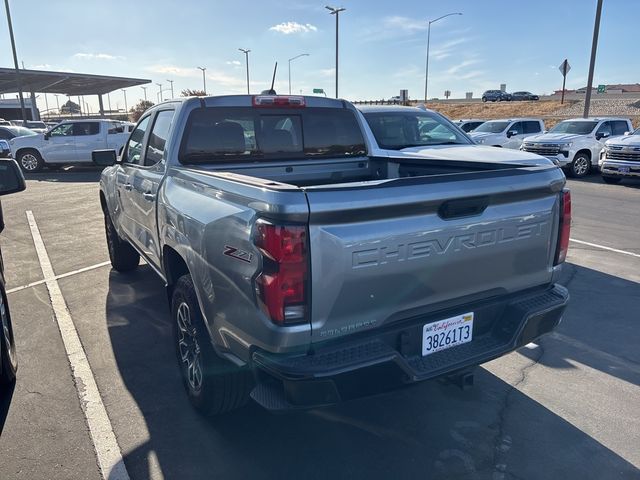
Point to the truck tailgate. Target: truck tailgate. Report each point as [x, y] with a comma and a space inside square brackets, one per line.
[408, 247]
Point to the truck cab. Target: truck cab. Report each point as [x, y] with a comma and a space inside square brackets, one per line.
[506, 132]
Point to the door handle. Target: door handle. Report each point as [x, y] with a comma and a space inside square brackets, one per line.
[128, 187]
[148, 196]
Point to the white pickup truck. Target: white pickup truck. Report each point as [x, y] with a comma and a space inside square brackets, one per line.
[576, 143]
[68, 142]
[506, 132]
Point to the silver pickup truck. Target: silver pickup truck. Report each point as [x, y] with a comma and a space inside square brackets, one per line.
[302, 270]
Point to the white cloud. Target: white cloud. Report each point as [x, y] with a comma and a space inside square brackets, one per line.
[327, 72]
[293, 27]
[98, 56]
[176, 71]
[453, 70]
[446, 49]
[43, 66]
[407, 24]
[235, 63]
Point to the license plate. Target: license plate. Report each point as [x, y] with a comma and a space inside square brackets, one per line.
[447, 333]
[623, 169]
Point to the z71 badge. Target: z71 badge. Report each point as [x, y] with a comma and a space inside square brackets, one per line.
[238, 254]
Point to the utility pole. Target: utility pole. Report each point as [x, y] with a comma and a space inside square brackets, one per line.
[15, 62]
[204, 78]
[109, 101]
[57, 102]
[126, 110]
[592, 63]
[290, 60]
[160, 92]
[336, 11]
[426, 70]
[246, 57]
[171, 82]
[145, 93]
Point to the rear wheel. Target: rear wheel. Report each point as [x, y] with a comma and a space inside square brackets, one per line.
[611, 180]
[484, 99]
[30, 161]
[580, 166]
[9, 364]
[214, 385]
[123, 256]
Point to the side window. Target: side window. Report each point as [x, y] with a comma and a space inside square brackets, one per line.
[81, 129]
[4, 135]
[619, 127]
[158, 137]
[516, 127]
[115, 127]
[64, 130]
[605, 127]
[134, 146]
[532, 127]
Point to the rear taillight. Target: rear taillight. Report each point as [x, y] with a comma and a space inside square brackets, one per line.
[282, 285]
[564, 230]
[290, 101]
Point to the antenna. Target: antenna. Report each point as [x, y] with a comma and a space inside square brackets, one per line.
[271, 91]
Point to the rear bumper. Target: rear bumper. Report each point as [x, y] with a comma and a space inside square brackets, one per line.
[391, 356]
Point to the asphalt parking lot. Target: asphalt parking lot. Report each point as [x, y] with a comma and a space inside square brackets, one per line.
[565, 407]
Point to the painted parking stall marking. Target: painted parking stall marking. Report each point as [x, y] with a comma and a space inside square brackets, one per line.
[104, 440]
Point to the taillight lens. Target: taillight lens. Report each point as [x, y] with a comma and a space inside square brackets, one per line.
[282, 285]
[564, 231]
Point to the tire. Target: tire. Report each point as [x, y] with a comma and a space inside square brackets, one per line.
[123, 256]
[9, 365]
[611, 180]
[580, 166]
[214, 385]
[30, 161]
[484, 99]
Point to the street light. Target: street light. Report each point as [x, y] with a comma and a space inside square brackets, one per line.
[246, 57]
[290, 60]
[145, 93]
[336, 11]
[15, 63]
[160, 92]
[426, 72]
[171, 82]
[204, 79]
[57, 102]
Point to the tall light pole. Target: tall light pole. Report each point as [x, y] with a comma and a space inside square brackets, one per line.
[426, 71]
[109, 101]
[290, 60]
[246, 58]
[57, 102]
[160, 92]
[336, 11]
[171, 82]
[204, 79]
[592, 63]
[15, 62]
[145, 93]
[126, 110]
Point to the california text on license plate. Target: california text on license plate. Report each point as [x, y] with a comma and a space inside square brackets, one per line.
[447, 333]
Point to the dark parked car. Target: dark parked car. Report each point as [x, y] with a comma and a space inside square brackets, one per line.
[496, 96]
[11, 181]
[524, 96]
[5, 151]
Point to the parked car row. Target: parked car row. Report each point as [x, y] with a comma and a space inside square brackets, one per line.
[500, 96]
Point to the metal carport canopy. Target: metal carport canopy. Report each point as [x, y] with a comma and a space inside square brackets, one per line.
[62, 82]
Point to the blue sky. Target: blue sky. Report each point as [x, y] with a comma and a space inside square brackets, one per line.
[382, 44]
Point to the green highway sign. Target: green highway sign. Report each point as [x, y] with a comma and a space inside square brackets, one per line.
[601, 88]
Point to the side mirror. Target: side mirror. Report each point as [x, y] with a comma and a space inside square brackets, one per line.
[104, 158]
[601, 135]
[545, 131]
[626, 134]
[47, 135]
[511, 133]
[11, 178]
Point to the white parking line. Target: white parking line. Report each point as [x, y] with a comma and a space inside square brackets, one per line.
[104, 439]
[595, 245]
[57, 277]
